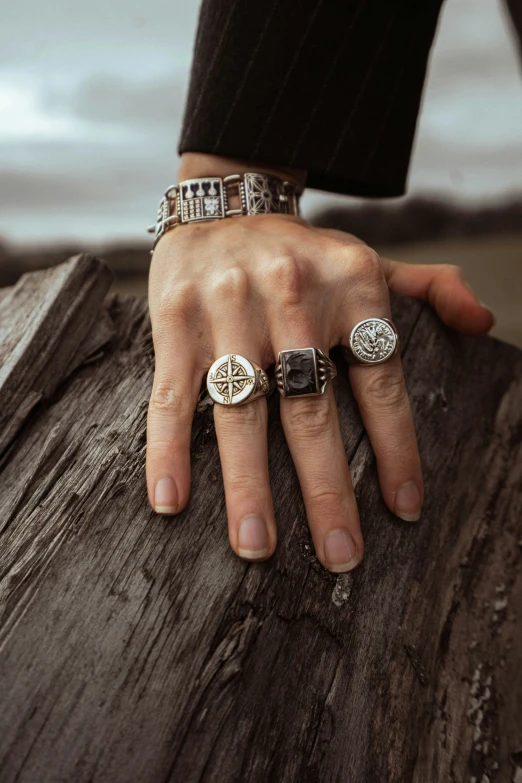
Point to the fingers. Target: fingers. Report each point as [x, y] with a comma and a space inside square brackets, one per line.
[177, 381]
[445, 288]
[242, 437]
[380, 392]
[242, 429]
[313, 434]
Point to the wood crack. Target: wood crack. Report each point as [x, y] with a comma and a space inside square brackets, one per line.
[197, 667]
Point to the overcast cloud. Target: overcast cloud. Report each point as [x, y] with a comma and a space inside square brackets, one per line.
[92, 94]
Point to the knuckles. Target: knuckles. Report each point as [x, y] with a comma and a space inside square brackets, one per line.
[178, 303]
[158, 450]
[358, 262]
[309, 418]
[327, 496]
[361, 279]
[245, 484]
[454, 271]
[365, 265]
[229, 284]
[287, 279]
[252, 417]
[165, 399]
[386, 389]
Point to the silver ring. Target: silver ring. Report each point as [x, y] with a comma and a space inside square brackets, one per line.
[233, 380]
[301, 372]
[372, 341]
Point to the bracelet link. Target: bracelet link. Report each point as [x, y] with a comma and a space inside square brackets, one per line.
[207, 198]
[262, 194]
[232, 183]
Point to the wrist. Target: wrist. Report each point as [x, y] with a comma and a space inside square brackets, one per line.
[199, 164]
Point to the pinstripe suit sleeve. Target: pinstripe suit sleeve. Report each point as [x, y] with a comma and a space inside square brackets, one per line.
[330, 86]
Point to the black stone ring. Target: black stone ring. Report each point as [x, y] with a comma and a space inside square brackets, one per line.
[303, 372]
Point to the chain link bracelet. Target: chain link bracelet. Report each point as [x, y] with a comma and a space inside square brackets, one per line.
[207, 198]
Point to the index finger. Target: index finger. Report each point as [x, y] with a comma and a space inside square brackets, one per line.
[177, 381]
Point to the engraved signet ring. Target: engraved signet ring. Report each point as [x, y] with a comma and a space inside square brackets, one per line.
[303, 372]
[372, 341]
[234, 380]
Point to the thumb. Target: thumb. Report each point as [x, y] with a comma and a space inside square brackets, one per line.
[445, 288]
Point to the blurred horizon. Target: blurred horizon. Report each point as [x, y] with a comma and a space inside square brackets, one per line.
[92, 99]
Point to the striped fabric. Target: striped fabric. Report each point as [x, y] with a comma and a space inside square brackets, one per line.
[514, 7]
[330, 86]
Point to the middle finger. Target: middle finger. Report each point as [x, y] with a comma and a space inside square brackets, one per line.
[312, 430]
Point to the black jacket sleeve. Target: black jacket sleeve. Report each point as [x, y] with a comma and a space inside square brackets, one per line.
[330, 86]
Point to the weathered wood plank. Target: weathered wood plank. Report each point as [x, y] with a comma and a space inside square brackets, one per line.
[46, 328]
[134, 647]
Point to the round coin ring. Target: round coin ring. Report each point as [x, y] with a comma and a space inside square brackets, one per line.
[231, 379]
[374, 341]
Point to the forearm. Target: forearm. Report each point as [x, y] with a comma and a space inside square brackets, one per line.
[333, 88]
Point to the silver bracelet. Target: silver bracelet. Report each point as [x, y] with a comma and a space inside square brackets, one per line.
[206, 198]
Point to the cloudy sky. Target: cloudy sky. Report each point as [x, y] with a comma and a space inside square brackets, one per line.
[91, 97]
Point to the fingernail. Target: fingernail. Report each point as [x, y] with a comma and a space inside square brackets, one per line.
[481, 303]
[486, 307]
[165, 496]
[340, 551]
[252, 540]
[408, 502]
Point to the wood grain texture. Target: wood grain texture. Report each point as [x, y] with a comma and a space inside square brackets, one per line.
[140, 648]
[47, 326]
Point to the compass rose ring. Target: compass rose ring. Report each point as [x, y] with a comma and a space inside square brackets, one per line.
[234, 380]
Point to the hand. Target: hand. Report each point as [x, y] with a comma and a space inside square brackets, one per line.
[255, 286]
